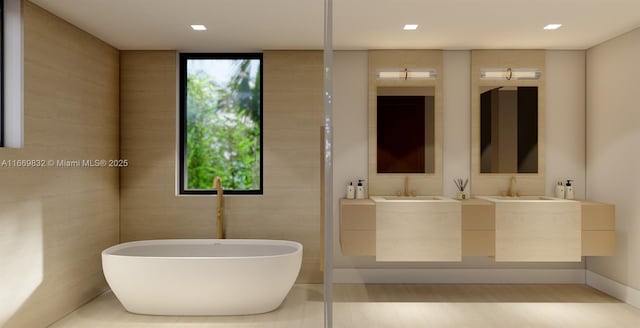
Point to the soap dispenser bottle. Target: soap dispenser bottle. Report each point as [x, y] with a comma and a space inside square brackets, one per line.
[351, 191]
[360, 190]
[560, 190]
[568, 190]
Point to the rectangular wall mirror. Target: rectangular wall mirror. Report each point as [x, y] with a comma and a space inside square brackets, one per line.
[508, 129]
[405, 135]
[508, 122]
[405, 122]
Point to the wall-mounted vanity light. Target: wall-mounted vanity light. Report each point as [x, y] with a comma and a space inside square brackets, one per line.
[406, 74]
[510, 74]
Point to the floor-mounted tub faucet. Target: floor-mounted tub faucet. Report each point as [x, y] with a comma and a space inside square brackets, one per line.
[217, 184]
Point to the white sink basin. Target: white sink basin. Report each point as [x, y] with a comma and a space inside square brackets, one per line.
[410, 198]
[522, 198]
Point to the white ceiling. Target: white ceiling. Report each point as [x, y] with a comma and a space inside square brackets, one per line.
[249, 25]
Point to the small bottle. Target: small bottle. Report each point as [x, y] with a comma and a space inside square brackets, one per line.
[568, 190]
[559, 190]
[351, 191]
[360, 190]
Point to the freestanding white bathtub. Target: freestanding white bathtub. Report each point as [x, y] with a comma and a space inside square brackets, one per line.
[202, 276]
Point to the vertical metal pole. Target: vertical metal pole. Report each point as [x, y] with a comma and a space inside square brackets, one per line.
[328, 164]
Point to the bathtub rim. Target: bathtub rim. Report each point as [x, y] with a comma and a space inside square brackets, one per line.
[109, 251]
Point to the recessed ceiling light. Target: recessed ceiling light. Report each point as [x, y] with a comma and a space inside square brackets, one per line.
[552, 26]
[410, 27]
[199, 27]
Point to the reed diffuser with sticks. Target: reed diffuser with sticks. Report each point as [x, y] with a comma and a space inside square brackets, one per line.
[461, 185]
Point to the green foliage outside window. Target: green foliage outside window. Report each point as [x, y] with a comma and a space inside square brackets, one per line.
[223, 124]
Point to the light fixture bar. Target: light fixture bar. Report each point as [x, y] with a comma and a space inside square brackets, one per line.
[198, 27]
[391, 75]
[410, 27]
[420, 75]
[510, 74]
[552, 26]
[406, 74]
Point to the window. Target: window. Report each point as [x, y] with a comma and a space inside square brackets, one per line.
[1, 73]
[220, 123]
[11, 80]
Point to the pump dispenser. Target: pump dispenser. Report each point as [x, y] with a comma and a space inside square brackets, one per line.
[568, 190]
[560, 190]
[360, 190]
[351, 191]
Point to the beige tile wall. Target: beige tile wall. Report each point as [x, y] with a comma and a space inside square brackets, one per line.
[289, 208]
[55, 221]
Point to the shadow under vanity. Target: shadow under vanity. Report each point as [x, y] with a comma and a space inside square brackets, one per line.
[418, 224]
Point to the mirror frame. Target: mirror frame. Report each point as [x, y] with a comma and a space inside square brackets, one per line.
[390, 183]
[497, 183]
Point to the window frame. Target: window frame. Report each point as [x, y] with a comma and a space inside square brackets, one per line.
[182, 129]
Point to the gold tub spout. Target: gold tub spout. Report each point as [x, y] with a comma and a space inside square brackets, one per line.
[217, 184]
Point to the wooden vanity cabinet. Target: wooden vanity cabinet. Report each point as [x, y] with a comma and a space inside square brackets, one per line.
[358, 227]
[478, 228]
[598, 229]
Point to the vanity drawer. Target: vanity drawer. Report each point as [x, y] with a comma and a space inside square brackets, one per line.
[598, 216]
[358, 242]
[478, 243]
[598, 243]
[478, 215]
[357, 214]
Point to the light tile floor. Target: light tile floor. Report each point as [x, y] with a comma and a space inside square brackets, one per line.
[374, 306]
